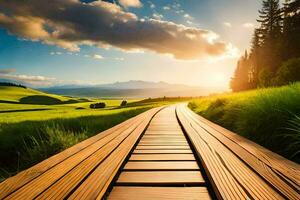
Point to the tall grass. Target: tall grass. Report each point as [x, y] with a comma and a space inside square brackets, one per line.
[26, 143]
[294, 136]
[266, 116]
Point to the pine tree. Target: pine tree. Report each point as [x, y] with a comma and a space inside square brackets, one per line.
[255, 58]
[291, 30]
[270, 32]
[240, 81]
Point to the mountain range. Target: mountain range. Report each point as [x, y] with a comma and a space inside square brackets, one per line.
[129, 89]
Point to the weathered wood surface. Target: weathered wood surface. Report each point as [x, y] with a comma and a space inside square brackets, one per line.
[150, 157]
[163, 159]
[158, 193]
[237, 167]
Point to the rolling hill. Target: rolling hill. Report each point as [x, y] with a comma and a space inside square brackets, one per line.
[19, 95]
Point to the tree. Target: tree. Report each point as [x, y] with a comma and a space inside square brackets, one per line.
[288, 73]
[270, 33]
[276, 41]
[291, 30]
[255, 56]
[240, 81]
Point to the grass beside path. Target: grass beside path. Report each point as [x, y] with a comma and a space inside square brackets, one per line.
[269, 117]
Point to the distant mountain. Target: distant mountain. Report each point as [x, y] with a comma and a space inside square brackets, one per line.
[129, 89]
[140, 85]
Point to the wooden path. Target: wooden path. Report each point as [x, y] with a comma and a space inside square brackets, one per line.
[164, 153]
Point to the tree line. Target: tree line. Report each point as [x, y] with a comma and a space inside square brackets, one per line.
[12, 84]
[274, 56]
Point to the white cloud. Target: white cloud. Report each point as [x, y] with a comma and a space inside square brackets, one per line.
[187, 16]
[55, 53]
[248, 25]
[131, 3]
[157, 16]
[166, 8]
[227, 24]
[151, 5]
[29, 79]
[97, 56]
[189, 22]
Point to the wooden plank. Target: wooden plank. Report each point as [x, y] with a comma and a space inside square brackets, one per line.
[159, 193]
[96, 184]
[163, 132]
[256, 155]
[161, 177]
[70, 166]
[162, 144]
[13, 183]
[231, 177]
[161, 151]
[163, 147]
[163, 128]
[164, 140]
[179, 136]
[281, 173]
[186, 165]
[140, 157]
[99, 149]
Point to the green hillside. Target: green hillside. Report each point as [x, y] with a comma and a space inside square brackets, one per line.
[11, 94]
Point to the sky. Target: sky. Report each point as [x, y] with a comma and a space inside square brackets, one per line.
[58, 42]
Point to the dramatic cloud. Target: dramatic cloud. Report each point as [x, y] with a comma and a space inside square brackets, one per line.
[71, 23]
[130, 3]
[6, 71]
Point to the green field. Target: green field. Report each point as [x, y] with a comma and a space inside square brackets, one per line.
[43, 124]
[269, 117]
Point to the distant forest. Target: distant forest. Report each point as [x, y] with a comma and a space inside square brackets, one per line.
[274, 57]
[12, 84]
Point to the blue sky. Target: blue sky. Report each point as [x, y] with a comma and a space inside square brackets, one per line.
[232, 20]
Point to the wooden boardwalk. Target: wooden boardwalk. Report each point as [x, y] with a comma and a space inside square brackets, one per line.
[164, 153]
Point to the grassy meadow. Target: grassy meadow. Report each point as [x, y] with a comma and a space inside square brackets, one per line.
[42, 125]
[269, 117]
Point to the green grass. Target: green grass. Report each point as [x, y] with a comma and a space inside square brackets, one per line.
[269, 117]
[15, 94]
[31, 132]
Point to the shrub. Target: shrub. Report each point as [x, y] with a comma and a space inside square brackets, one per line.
[288, 73]
[98, 105]
[123, 103]
[265, 77]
